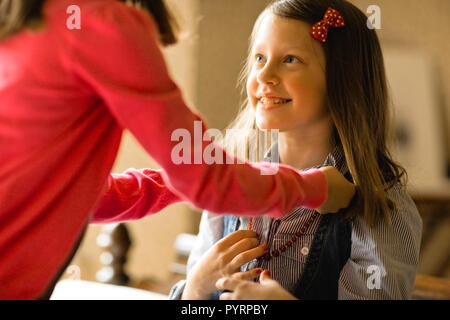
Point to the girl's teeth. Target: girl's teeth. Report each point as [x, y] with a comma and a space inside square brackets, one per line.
[272, 101]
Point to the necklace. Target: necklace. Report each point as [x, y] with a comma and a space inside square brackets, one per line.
[276, 252]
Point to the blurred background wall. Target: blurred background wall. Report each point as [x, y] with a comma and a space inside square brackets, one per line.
[206, 64]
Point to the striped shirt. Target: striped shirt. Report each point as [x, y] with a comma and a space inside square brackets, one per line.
[383, 260]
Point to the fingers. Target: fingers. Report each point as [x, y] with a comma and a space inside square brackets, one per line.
[339, 191]
[230, 256]
[226, 296]
[236, 236]
[242, 251]
[231, 282]
[247, 275]
[352, 194]
[228, 283]
[238, 287]
[354, 206]
[249, 254]
[345, 197]
[244, 245]
[265, 276]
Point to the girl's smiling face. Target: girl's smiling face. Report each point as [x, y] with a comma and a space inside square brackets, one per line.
[286, 86]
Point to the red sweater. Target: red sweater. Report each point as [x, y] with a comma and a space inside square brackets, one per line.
[66, 95]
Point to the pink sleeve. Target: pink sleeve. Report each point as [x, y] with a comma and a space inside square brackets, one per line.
[134, 195]
[117, 55]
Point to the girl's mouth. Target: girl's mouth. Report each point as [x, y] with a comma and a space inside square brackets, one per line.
[268, 102]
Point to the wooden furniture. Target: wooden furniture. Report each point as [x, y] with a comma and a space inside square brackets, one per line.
[115, 243]
[435, 247]
[431, 288]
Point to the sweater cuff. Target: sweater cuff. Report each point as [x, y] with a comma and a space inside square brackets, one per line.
[315, 188]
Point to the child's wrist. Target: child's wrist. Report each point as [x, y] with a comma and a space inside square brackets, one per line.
[315, 184]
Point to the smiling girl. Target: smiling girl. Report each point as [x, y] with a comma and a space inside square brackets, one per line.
[315, 72]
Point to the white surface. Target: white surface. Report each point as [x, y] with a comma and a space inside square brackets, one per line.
[87, 290]
[184, 243]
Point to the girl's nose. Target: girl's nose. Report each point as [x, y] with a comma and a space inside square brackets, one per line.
[268, 75]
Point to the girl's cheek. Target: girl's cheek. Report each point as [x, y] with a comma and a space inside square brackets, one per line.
[252, 102]
[251, 92]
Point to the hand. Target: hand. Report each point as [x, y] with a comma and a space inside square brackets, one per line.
[241, 289]
[339, 191]
[223, 259]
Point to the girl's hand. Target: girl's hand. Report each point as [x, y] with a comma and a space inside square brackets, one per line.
[223, 259]
[339, 191]
[239, 289]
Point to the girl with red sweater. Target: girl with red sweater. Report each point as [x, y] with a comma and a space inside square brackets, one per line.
[66, 96]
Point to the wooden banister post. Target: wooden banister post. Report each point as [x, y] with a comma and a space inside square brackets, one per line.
[115, 242]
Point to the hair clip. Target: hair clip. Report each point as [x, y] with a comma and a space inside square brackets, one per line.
[332, 18]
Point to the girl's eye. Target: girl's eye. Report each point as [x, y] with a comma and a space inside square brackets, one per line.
[292, 59]
[259, 58]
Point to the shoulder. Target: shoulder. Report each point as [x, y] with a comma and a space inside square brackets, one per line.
[401, 238]
[119, 14]
[116, 46]
[392, 250]
[405, 214]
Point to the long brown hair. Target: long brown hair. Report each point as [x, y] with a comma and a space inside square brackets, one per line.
[18, 14]
[357, 99]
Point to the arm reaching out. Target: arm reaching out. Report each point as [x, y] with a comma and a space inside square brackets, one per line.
[143, 98]
[134, 195]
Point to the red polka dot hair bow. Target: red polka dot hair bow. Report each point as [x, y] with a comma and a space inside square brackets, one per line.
[331, 18]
